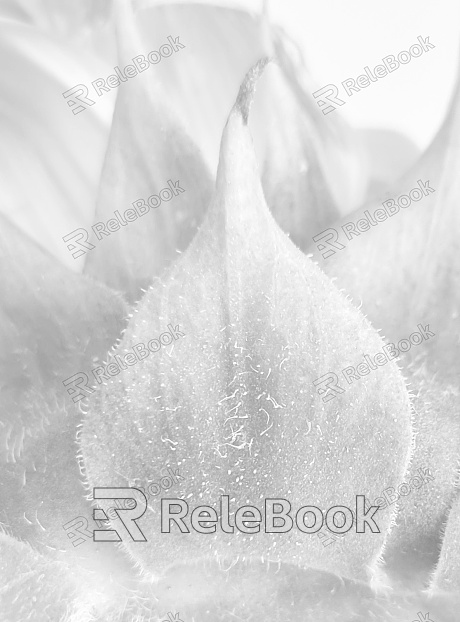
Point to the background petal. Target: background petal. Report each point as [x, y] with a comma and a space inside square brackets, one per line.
[54, 324]
[148, 148]
[51, 159]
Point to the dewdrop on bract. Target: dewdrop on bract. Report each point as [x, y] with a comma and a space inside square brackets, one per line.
[233, 404]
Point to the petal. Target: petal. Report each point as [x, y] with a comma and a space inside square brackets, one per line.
[409, 262]
[55, 324]
[62, 16]
[232, 403]
[403, 273]
[428, 488]
[148, 153]
[50, 158]
[390, 154]
[34, 587]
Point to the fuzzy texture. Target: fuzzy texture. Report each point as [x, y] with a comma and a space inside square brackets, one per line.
[414, 544]
[55, 323]
[232, 403]
[446, 578]
[404, 272]
[42, 589]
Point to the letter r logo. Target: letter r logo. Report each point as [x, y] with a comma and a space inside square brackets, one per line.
[79, 242]
[80, 523]
[127, 516]
[332, 98]
[328, 238]
[328, 384]
[80, 381]
[81, 96]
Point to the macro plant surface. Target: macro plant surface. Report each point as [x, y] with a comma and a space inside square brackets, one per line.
[232, 405]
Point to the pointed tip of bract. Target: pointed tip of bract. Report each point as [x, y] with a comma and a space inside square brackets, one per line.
[238, 172]
[248, 87]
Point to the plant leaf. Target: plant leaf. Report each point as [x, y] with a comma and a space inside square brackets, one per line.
[232, 403]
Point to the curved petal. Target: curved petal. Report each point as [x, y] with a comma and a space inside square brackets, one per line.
[149, 154]
[34, 587]
[63, 16]
[50, 158]
[409, 261]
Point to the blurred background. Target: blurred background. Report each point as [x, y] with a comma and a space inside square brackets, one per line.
[340, 38]
[51, 159]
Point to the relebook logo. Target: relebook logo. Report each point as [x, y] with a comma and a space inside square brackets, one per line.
[328, 384]
[77, 241]
[78, 387]
[78, 97]
[328, 240]
[277, 518]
